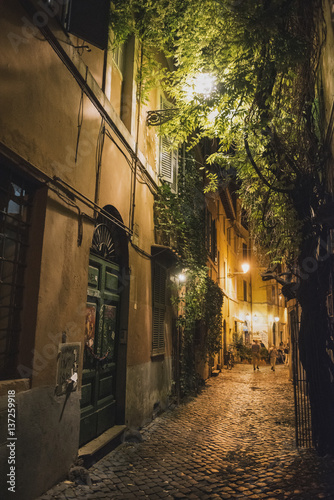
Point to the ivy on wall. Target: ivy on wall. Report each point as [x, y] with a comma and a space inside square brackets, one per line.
[180, 222]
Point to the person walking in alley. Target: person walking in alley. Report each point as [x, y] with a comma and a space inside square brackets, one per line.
[255, 354]
[273, 356]
[286, 353]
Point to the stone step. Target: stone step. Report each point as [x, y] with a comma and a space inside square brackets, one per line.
[93, 451]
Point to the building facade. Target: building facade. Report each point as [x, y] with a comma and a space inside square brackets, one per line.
[86, 329]
[252, 309]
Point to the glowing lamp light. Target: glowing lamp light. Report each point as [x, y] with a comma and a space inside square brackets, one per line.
[202, 84]
[245, 268]
[255, 318]
[213, 115]
[247, 316]
[182, 277]
[276, 318]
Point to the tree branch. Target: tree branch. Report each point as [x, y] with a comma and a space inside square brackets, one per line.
[264, 209]
[259, 173]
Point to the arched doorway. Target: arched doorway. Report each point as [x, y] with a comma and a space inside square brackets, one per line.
[104, 363]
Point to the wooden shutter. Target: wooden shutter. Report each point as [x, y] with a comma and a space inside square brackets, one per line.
[175, 163]
[166, 160]
[159, 308]
[168, 156]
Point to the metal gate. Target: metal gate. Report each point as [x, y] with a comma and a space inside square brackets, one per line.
[300, 385]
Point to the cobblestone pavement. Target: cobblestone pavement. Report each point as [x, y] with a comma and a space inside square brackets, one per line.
[235, 440]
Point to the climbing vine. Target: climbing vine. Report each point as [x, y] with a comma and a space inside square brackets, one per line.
[180, 220]
[263, 109]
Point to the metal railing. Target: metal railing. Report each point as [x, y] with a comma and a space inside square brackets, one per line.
[301, 390]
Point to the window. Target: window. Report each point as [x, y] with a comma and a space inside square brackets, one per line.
[211, 236]
[90, 21]
[169, 158]
[15, 203]
[214, 241]
[236, 241]
[159, 308]
[244, 251]
[229, 235]
[58, 9]
[118, 57]
[208, 231]
[85, 19]
[245, 290]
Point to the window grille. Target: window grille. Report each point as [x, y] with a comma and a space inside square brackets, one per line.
[15, 202]
[159, 308]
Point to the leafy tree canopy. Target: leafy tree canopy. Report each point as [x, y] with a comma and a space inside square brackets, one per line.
[264, 109]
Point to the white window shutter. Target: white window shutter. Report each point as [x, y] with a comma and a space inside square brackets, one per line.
[166, 157]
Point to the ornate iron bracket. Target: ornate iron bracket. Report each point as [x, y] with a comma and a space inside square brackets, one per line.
[160, 116]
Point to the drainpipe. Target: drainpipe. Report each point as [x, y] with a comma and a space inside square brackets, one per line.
[137, 139]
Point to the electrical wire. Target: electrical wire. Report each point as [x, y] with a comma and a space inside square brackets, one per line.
[80, 121]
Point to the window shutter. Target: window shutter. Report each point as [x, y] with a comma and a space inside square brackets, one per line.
[166, 160]
[159, 307]
[175, 162]
[89, 20]
[168, 157]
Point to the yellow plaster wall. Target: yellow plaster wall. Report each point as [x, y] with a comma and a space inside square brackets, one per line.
[41, 107]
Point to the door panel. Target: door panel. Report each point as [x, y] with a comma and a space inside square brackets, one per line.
[101, 334]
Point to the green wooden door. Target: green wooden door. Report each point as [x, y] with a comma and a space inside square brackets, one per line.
[99, 365]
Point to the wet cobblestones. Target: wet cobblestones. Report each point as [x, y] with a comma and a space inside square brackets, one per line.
[234, 441]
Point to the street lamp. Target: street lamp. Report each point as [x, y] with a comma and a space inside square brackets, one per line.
[182, 277]
[245, 268]
[202, 84]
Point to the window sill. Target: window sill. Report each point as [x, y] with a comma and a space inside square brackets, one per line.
[157, 356]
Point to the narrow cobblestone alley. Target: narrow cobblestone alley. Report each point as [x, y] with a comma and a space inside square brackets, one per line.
[235, 440]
